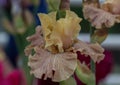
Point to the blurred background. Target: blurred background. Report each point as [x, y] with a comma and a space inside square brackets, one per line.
[18, 19]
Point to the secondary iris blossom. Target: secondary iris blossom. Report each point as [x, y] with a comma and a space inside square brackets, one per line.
[52, 52]
[106, 15]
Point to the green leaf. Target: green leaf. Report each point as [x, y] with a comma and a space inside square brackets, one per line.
[60, 14]
[84, 74]
[53, 5]
[70, 81]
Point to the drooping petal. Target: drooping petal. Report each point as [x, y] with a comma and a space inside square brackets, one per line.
[100, 18]
[57, 67]
[112, 6]
[45, 64]
[95, 51]
[36, 40]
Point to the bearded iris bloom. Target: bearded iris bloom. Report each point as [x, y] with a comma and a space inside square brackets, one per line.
[104, 16]
[53, 49]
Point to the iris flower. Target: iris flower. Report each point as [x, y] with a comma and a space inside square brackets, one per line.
[53, 48]
[104, 16]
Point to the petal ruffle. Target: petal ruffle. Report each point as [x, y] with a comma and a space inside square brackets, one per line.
[58, 67]
[58, 33]
[100, 18]
[112, 6]
[36, 40]
[45, 64]
[95, 51]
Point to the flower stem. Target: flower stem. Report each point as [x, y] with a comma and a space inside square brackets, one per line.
[64, 5]
[70, 81]
[92, 64]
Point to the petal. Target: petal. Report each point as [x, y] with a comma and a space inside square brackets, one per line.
[58, 67]
[112, 6]
[95, 51]
[36, 40]
[59, 33]
[100, 18]
[67, 29]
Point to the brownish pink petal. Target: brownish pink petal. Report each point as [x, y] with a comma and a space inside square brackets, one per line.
[94, 3]
[36, 40]
[57, 67]
[95, 51]
[45, 64]
[112, 6]
[100, 18]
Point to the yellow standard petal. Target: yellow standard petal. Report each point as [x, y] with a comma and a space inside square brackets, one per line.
[60, 34]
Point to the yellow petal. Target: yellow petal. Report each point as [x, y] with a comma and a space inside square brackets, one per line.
[61, 33]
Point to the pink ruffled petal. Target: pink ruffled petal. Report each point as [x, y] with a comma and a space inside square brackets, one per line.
[100, 18]
[95, 51]
[57, 67]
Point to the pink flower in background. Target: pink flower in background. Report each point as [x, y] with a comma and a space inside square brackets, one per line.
[15, 77]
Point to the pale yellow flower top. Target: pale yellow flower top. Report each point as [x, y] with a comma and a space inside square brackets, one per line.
[59, 34]
[55, 47]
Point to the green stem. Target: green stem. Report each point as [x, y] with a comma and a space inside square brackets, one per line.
[92, 64]
[70, 81]
[52, 6]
